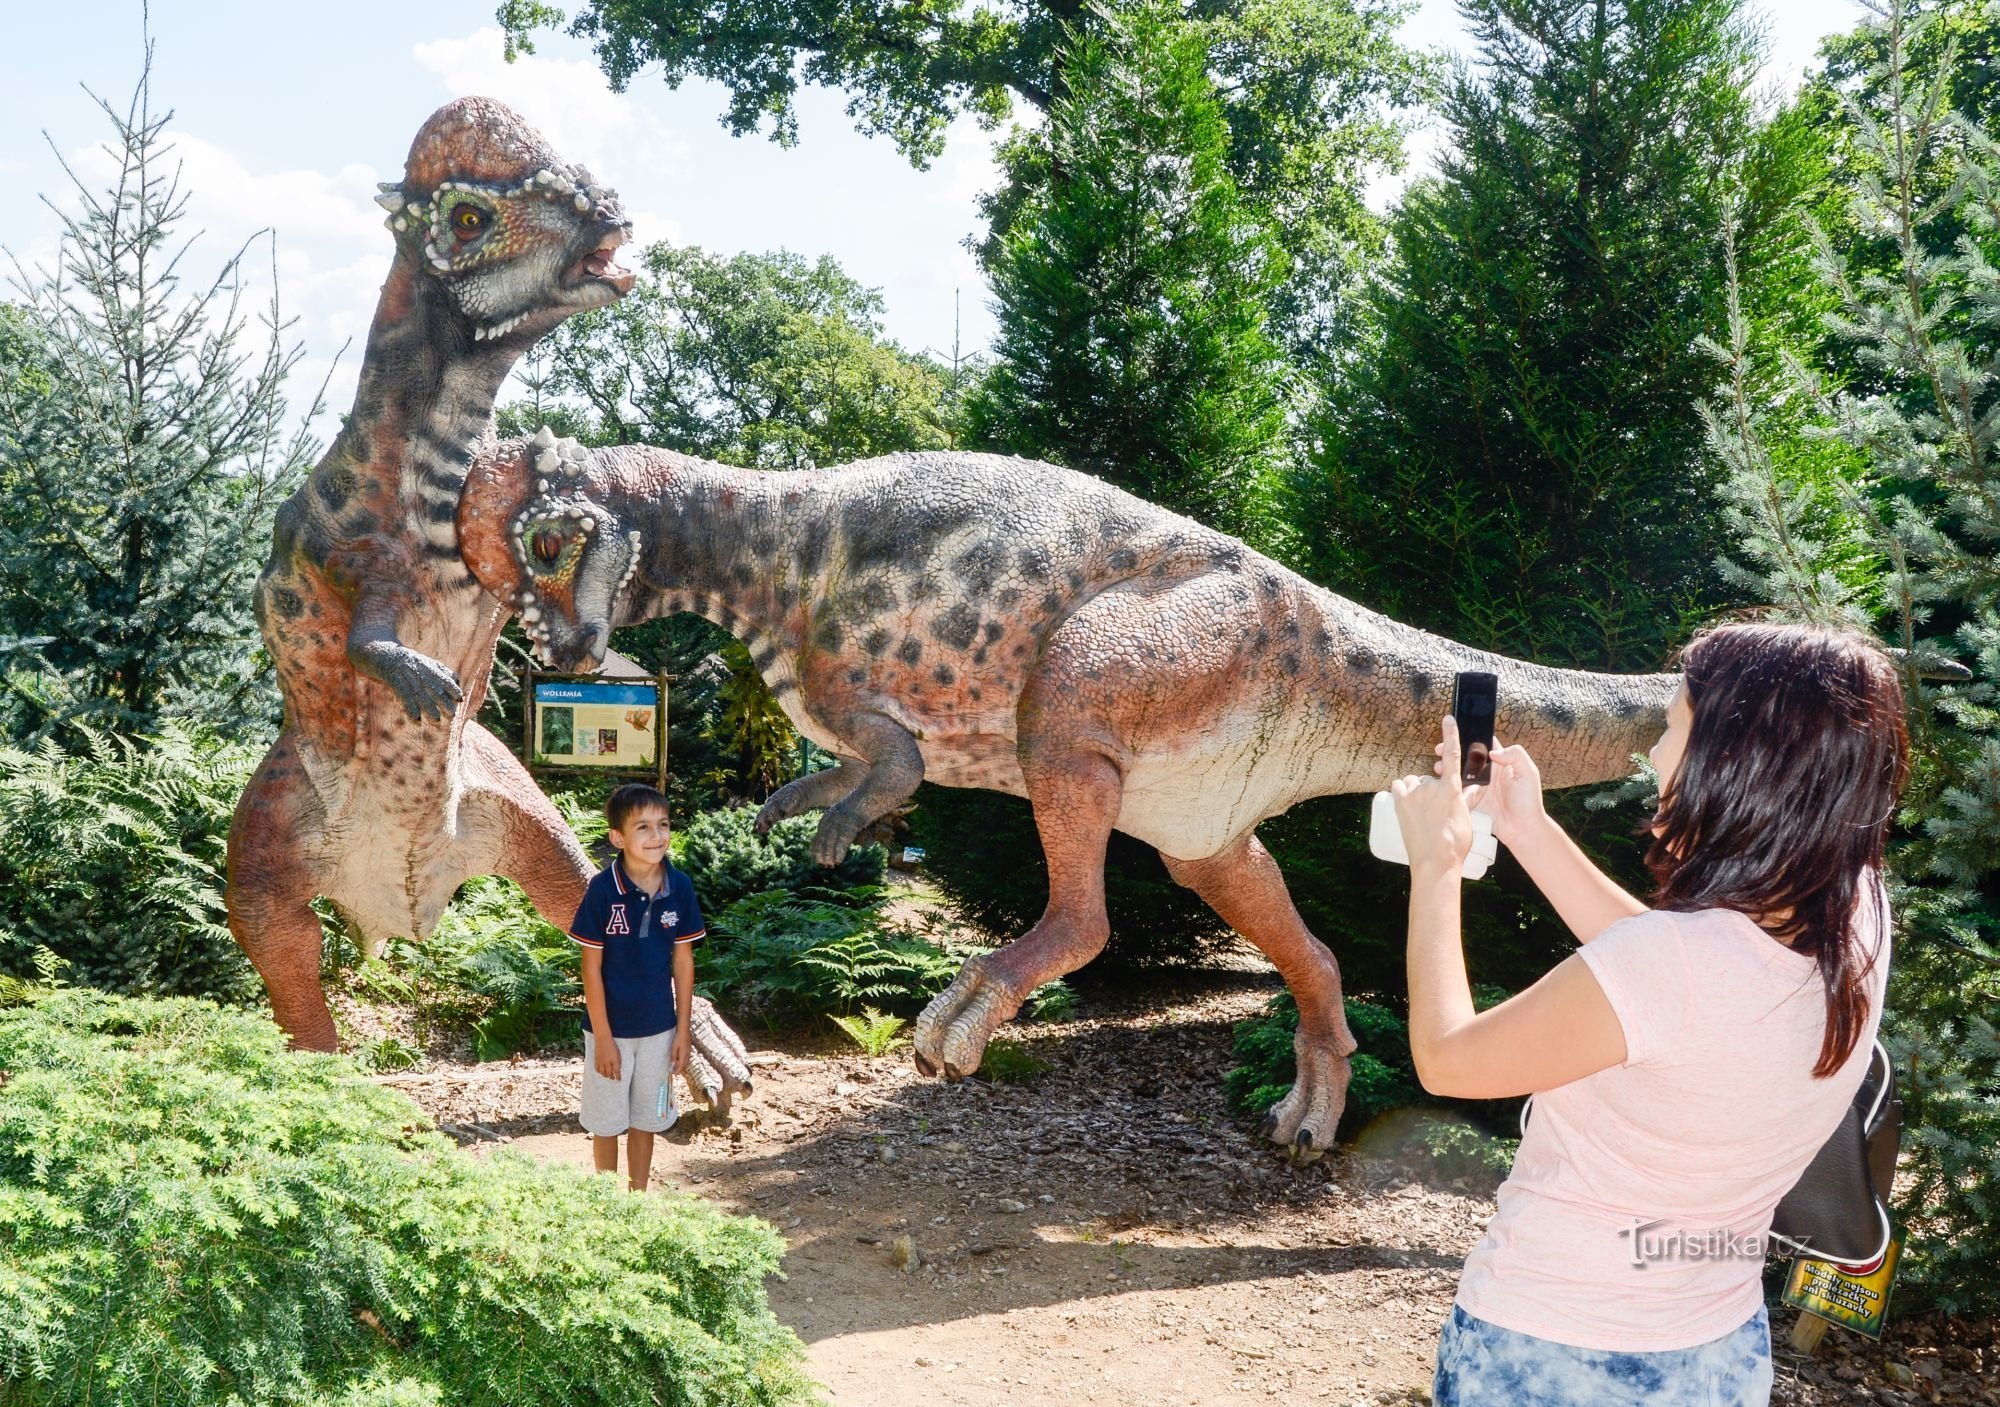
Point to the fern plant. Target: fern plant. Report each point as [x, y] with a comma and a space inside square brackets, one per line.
[876, 1033]
[785, 958]
[111, 857]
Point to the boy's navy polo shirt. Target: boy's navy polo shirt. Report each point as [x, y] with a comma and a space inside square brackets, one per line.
[638, 934]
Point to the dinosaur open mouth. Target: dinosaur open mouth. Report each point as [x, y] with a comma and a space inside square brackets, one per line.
[601, 265]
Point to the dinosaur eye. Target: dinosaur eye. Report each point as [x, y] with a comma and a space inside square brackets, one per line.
[468, 221]
[547, 545]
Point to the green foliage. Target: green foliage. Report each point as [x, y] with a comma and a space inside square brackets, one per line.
[494, 966]
[726, 858]
[192, 1215]
[770, 361]
[1310, 91]
[1458, 1149]
[786, 959]
[1131, 289]
[142, 457]
[1009, 1063]
[1522, 405]
[750, 727]
[983, 854]
[876, 1033]
[1908, 396]
[111, 857]
[1382, 1077]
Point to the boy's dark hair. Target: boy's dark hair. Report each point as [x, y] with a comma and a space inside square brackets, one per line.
[630, 798]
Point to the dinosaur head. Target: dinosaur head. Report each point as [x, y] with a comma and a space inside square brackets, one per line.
[516, 238]
[539, 532]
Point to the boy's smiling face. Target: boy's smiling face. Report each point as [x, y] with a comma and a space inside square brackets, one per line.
[644, 836]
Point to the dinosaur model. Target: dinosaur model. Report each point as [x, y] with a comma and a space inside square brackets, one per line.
[993, 622]
[382, 793]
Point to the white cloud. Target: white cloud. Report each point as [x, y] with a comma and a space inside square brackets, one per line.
[569, 100]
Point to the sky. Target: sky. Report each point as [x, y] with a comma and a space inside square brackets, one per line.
[286, 115]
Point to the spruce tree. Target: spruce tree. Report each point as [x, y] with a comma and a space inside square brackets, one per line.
[144, 447]
[1896, 530]
[1132, 286]
[1515, 459]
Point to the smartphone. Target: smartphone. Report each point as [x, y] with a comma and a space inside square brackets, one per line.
[1475, 698]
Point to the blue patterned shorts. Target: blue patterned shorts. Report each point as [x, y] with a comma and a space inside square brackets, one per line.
[1483, 1365]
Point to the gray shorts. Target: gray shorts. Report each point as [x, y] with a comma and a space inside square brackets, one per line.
[642, 1097]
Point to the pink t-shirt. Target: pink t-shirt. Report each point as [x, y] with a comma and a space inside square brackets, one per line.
[1677, 1157]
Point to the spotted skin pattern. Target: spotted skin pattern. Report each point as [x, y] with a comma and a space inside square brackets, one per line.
[982, 621]
[1480, 1364]
[382, 793]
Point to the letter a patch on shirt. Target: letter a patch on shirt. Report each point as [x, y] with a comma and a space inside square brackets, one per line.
[616, 923]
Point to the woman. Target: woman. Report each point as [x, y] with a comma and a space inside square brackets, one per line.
[1689, 1059]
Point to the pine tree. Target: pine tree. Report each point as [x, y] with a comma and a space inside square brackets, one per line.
[143, 451]
[1515, 458]
[1908, 403]
[1132, 288]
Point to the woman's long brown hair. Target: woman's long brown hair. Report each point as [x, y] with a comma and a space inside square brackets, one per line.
[1783, 799]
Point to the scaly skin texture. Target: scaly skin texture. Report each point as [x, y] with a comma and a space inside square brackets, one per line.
[382, 794]
[993, 622]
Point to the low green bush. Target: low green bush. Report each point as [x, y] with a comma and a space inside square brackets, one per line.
[727, 860]
[192, 1215]
[1383, 1077]
[112, 857]
[786, 959]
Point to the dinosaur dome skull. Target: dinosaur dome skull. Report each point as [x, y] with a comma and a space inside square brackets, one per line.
[517, 238]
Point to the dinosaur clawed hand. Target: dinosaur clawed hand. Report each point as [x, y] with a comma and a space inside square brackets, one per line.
[1305, 1119]
[952, 1032]
[428, 689]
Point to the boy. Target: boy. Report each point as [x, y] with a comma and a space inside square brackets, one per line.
[638, 924]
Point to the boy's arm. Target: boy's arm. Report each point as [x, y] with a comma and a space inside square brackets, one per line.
[683, 1004]
[608, 1064]
[587, 928]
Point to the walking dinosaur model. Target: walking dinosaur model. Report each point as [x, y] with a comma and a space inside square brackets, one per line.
[992, 622]
[382, 793]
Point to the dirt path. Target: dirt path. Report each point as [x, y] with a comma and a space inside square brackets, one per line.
[1107, 1231]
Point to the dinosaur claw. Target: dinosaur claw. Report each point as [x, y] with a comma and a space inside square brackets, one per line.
[1270, 1128]
[924, 1067]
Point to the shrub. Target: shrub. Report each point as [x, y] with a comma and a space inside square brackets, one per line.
[1383, 1077]
[112, 858]
[786, 958]
[726, 858]
[191, 1215]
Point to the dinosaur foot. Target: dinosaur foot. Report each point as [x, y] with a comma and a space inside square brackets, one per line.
[1304, 1120]
[838, 828]
[952, 1032]
[718, 1068]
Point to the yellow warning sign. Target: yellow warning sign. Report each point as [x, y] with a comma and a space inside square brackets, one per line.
[1857, 1302]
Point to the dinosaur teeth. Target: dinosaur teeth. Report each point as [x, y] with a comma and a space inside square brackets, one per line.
[582, 203]
[545, 438]
[541, 486]
[390, 200]
[545, 463]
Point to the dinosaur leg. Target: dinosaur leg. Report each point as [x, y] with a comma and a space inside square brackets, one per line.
[886, 776]
[512, 829]
[812, 791]
[1242, 883]
[270, 889]
[1075, 795]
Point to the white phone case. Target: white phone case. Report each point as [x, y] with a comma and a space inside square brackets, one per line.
[1385, 837]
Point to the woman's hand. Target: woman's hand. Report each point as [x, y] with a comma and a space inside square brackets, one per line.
[1514, 796]
[1437, 825]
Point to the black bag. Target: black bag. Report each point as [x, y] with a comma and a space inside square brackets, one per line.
[1839, 1209]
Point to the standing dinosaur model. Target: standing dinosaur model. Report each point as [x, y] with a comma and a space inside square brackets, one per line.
[992, 622]
[382, 793]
